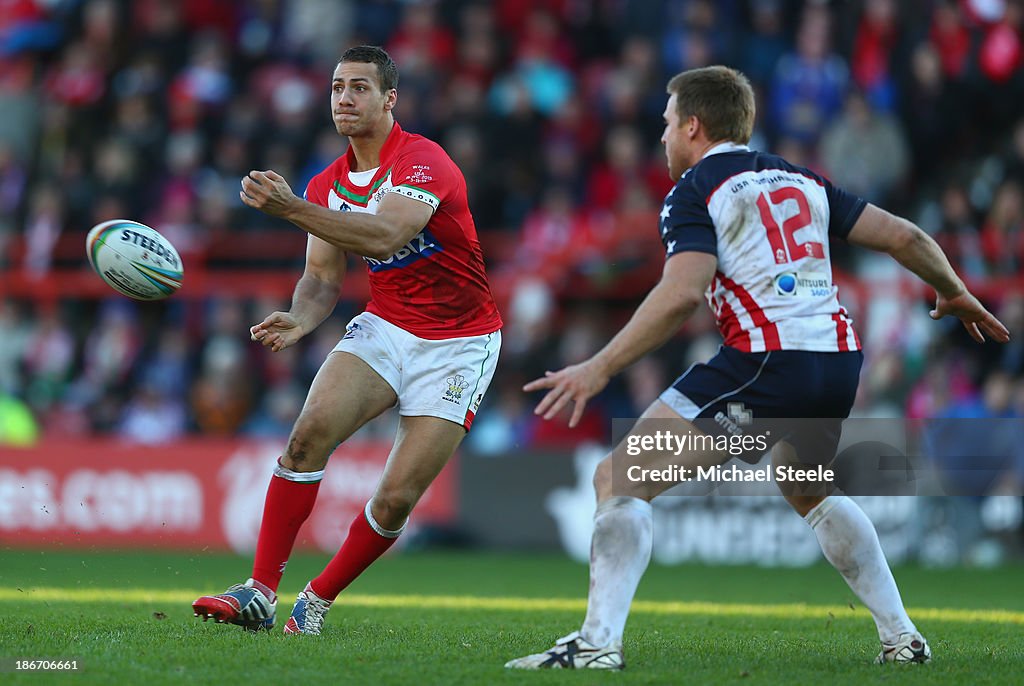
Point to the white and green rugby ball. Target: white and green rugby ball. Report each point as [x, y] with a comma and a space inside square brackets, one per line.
[134, 259]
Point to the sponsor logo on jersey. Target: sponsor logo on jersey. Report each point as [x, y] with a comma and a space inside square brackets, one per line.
[455, 386]
[345, 207]
[803, 284]
[734, 418]
[422, 245]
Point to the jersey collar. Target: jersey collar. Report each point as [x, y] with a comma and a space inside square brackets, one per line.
[392, 141]
[727, 146]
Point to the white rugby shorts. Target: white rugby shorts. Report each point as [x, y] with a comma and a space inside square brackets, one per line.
[446, 378]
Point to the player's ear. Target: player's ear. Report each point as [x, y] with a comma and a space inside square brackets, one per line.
[692, 126]
[390, 99]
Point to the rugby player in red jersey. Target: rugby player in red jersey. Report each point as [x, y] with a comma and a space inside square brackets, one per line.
[428, 341]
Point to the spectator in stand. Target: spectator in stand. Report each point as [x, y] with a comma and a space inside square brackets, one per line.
[420, 43]
[480, 48]
[508, 424]
[563, 169]
[944, 383]
[1002, 233]
[168, 365]
[112, 347]
[809, 85]
[13, 176]
[1012, 358]
[221, 398]
[1015, 153]
[865, 151]
[43, 227]
[78, 80]
[645, 381]
[932, 105]
[551, 234]
[152, 416]
[959, 235]
[17, 328]
[1000, 54]
[761, 50]
[505, 138]
[117, 173]
[540, 69]
[999, 58]
[276, 414]
[696, 37]
[638, 63]
[48, 360]
[951, 38]
[624, 162]
[580, 339]
[877, 49]
[222, 394]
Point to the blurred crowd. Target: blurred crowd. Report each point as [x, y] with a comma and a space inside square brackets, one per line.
[154, 109]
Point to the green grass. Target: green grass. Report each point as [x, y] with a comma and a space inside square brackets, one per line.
[456, 618]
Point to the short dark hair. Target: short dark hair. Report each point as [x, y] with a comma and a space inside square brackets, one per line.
[720, 97]
[387, 70]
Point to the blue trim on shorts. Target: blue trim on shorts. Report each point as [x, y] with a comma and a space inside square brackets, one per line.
[778, 384]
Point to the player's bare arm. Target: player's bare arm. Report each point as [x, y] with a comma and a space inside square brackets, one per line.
[314, 298]
[914, 249]
[669, 304]
[397, 221]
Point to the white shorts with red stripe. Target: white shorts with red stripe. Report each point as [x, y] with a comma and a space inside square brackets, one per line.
[444, 378]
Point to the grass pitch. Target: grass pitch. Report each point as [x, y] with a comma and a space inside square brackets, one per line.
[456, 618]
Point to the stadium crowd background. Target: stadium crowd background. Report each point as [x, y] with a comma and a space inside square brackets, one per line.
[154, 110]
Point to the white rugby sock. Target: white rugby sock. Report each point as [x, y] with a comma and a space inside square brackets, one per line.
[850, 543]
[619, 552]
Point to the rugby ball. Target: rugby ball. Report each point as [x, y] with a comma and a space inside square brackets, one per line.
[134, 259]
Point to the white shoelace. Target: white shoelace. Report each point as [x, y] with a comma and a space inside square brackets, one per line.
[316, 608]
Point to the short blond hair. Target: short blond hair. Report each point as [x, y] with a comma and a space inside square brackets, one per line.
[720, 97]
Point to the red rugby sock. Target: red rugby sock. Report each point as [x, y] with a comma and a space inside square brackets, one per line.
[287, 506]
[365, 543]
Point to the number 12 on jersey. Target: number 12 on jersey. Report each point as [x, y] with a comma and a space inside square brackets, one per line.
[785, 247]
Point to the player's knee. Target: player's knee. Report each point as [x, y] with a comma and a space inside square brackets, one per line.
[803, 503]
[307, 449]
[391, 507]
[603, 479]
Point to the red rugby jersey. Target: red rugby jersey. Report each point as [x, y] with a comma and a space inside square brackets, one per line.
[434, 286]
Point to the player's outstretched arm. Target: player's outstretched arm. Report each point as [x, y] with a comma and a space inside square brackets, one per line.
[679, 293]
[314, 298]
[914, 249]
[398, 219]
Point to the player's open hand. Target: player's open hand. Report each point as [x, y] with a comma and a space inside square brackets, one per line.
[277, 331]
[978, 321]
[577, 383]
[268, 192]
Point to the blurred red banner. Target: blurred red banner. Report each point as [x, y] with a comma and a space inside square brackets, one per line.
[188, 494]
